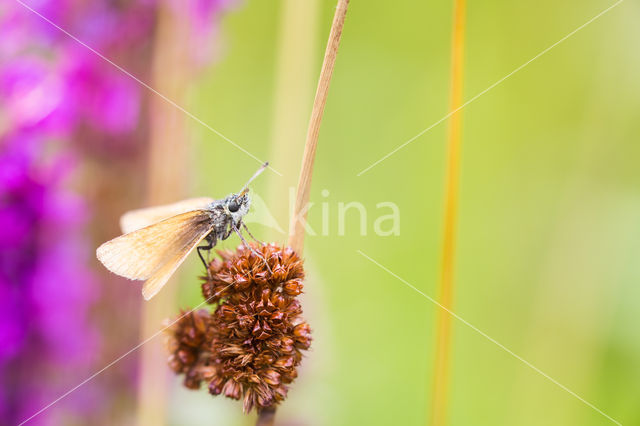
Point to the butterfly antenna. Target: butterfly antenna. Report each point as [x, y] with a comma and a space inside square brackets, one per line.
[245, 189]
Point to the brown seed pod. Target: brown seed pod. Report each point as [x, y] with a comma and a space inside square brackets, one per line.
[188, 343]
[255, 336]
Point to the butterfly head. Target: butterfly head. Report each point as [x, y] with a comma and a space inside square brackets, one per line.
[238, 205]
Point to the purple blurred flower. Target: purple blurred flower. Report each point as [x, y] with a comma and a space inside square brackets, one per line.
[202, 17]
[46, 288]
[57, 100]
[110, 100]
[203, 13]
[33, 94]
[12, 330]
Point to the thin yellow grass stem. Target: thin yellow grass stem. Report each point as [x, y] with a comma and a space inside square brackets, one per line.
[297, 229]
[441, 377]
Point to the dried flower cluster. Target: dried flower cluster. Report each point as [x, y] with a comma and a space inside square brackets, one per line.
[250, 346]
[189, 345]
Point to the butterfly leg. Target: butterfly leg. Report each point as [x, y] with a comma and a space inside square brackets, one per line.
[211, 242]
[237, 231]
[246, 228]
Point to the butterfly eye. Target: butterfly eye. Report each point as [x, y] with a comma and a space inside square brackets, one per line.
[233, 206]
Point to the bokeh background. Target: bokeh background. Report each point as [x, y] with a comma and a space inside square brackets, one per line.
[548, 236]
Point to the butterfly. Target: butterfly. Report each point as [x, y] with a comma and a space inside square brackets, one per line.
[156, 240]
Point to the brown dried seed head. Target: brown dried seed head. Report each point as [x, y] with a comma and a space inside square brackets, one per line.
[188, 342]
[258, 319]
[255, 337]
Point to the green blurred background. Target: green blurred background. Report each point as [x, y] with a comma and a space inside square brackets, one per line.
[548, 236]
